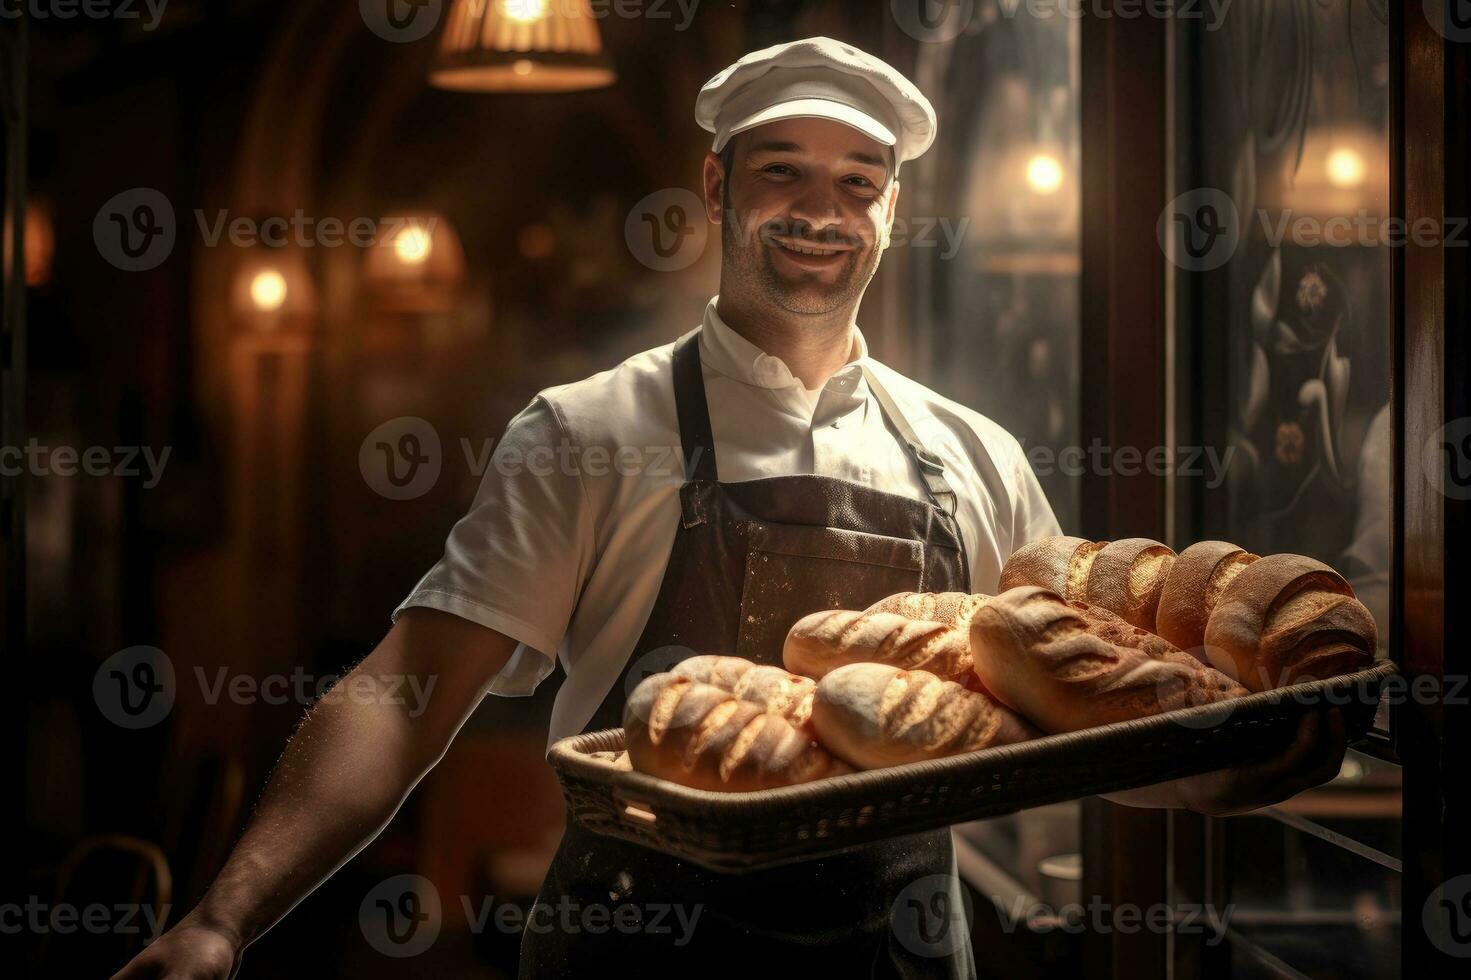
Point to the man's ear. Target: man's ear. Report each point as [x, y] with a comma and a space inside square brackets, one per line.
[891, 207]
[714, 180]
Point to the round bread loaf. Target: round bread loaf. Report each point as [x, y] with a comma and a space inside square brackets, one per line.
[1290, 618]
[1127, 577]
[875, 715]
[773, 688]
[1069, 666]
[702, 736]
[1059, 563]
[1192, 589]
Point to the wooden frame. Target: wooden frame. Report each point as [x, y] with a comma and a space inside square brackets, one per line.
[1125, 377]
[1432, 77]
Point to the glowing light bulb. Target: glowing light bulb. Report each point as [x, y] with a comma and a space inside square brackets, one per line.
[1044, 173]
[1345, 167]
[413, 245]
[524, 11]
[522, 66]
[268, 290]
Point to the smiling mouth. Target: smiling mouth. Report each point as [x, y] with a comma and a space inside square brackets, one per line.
[803, 248]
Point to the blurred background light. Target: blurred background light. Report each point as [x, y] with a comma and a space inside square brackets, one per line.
[520, 46]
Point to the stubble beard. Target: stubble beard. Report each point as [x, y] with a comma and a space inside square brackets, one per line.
[748, 264]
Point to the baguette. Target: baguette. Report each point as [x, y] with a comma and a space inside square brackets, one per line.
[950, 608]
[1194, 585]
[825, 641]
[1289, 618]
[1125, 576]
[876, 715]
[774, 689]
[704, 737]
[1069, 666]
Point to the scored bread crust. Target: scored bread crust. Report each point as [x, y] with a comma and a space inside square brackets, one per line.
[1059, 562]
[704, 737]
[1069, 666]
[1193, 587]
[771, 687]
[827, 640]
[1287, 619]
[1127, 578]
[875, 715]
[950, 608]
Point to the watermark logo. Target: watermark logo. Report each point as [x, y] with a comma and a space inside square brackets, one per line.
[932, 20]
[931, 916]
[666, 230]
[401, 21]
[659, 660]
[401, 916]
[1446, 459]
[1447, 917]
[1452, 18]
[1200, 229]
[135, 688]
[135, 230]
[401, 459]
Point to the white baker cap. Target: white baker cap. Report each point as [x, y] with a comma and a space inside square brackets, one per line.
[822, 78]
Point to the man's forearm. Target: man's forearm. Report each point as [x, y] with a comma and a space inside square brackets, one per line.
[340, 780]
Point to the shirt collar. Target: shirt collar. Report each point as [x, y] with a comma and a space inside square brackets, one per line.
[734, 356]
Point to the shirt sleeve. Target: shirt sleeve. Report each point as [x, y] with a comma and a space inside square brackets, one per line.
[1033, 515]
[516, 562]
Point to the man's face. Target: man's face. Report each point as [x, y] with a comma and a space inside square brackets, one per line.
[809, 202]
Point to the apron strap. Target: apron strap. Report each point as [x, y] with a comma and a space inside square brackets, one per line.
[931, 467]
[693, 412]
[698, 441]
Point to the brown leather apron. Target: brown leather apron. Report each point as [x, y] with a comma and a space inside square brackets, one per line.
[749, 559]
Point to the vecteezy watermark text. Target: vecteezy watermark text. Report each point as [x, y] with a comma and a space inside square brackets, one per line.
[1101, 460]
[38, 460]
[90, 9]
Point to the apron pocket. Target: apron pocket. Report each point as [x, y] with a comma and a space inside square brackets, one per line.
[793, 570]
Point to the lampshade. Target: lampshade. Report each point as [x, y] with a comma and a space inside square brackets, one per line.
[520, 46]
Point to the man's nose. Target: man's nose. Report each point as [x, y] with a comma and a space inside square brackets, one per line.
[817, 208]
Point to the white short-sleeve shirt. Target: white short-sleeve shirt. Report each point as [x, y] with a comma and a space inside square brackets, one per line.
[565, 545]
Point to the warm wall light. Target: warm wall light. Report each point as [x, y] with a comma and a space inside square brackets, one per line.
[272, 289]
[1044, 173]
[418, 265]
[1345, 167]
[520, 46]
[268, 290]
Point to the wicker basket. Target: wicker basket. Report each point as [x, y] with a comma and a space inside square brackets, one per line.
[736, 832]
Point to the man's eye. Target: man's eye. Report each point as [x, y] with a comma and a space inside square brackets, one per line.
[779, 169]
[858, 180]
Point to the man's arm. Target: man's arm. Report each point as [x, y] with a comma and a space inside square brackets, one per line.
[342, 777]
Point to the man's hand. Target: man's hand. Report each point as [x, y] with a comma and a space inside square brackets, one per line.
[1313, 758]
[189, 951]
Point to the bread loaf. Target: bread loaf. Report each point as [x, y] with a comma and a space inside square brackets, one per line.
[774, 689]
[875, 715]
[1124, 576]
[825, 641]
[702, 736]
[1194, 585]
[1058, 563]
[1289, 618]
[1069, 666]
[950, 608]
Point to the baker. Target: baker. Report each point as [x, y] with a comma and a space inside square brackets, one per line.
[813, 477]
